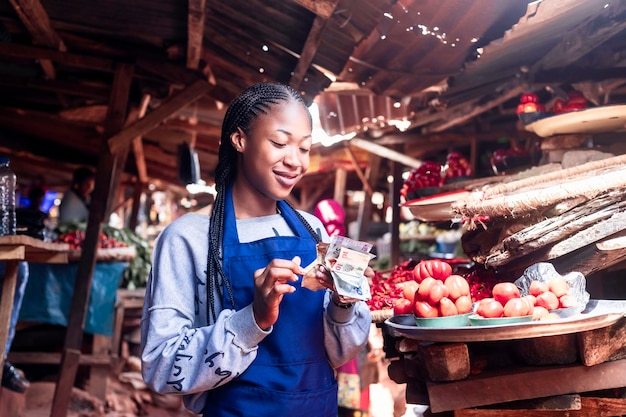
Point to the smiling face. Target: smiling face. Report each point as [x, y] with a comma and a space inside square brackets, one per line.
[273, 155]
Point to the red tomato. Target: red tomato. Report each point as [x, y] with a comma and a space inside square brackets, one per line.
[457, 286]
[423, 309]
[447, 307]
[519, 109]
[558, 105]
[540, 313]
[530, 107]
[559, 286]
[408, 289]
[504, 291]
[531, 300]
[402, 306]
[463, 304]
[437, 292]
[537, 287]
[548, 300]
[489, 308]
[435, 268]
[529, 98]
[516, 307]
[424, 288]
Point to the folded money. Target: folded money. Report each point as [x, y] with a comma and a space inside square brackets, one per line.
[346, 259]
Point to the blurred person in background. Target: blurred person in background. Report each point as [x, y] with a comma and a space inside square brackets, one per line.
[74, 206]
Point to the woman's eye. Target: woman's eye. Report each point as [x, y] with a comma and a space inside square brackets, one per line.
[305, 150]
[277, 144]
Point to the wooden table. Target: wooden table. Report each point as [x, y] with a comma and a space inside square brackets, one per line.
[505, 371]
[14, 249]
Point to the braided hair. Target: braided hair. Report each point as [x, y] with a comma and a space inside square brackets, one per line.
[253, 101]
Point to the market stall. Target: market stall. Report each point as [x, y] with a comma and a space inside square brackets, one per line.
[568, 215]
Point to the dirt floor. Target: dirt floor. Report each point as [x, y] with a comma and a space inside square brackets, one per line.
[128, 396]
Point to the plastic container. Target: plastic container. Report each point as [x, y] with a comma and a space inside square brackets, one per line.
[7, 198]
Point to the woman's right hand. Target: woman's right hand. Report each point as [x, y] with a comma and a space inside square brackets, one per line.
[270, 285]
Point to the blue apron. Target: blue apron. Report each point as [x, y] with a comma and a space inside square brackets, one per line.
[291, 375]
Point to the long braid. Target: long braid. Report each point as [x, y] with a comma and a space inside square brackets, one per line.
[242, 113]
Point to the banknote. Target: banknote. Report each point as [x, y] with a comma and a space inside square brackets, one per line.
[346, 259]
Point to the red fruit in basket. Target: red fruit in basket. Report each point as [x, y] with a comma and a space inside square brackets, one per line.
[504, 291]
[529, 98]
[437, 292]
[558, 105]
[540, 313]
[424, 288]
[402, 306]
[559, 286]
[408, 290]
[548, 300]
[489, 308]
[531, 300]
[447, 307]
[567, 301]
[435, 268]
[538, 287]
[457, 286]
[516, 307]
[425, 310]
[463, 304]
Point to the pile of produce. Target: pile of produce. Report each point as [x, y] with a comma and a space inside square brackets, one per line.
[543, 298]
[427, 175]
[457, 166]
[136, 274]
[429, 289]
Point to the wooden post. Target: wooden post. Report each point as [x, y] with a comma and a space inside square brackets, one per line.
[394, 201]
[100, 202]
[365, 208]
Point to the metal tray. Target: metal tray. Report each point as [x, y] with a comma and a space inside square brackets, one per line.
[597, 314]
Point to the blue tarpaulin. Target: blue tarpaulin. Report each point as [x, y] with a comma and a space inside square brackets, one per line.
[49, 295]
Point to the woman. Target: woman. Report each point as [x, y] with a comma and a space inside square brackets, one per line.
[237, 334]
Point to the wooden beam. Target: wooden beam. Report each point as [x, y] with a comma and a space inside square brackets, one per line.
[86, 266]
[385, 152]
[467, 115]
[322, 8]
[140, 159]
[355, 163]
[169, 106]
[66, 58]
[195, 31]
[56, 86]
[310, 48]
[37, 23]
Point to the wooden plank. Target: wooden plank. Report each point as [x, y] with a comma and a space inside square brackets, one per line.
[365, 206]
[171, 105]
[66, 58]
[322, 8]
[616, 223]
[105, 175]
[140, 159]
[525, 383]
[589, 406]
[195, 31]
[394, 202]
[47, 358]
[359, 172]
[385, 152]
[311, 45]
[37, 23]
[63, 390]
[6, 302]
[476, 110]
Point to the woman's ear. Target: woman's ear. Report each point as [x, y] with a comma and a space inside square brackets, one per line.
[238, 139]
